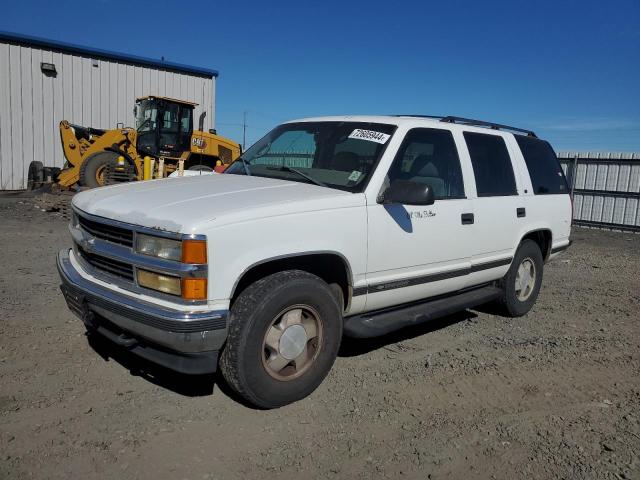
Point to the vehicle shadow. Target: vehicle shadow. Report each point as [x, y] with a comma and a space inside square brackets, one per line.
[180, 383]
[353, 347]
[203, 385]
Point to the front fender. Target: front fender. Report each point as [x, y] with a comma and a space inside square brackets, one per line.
[236, 248]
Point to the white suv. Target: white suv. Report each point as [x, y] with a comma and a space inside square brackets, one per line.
[358, 225]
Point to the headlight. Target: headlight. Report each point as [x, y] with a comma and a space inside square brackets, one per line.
[159, 247]
[190, 251]
[157, 281]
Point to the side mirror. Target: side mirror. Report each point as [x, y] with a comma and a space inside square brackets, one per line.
[406, 192]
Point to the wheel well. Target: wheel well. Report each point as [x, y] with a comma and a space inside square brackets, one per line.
[330, 267]
[543, 239]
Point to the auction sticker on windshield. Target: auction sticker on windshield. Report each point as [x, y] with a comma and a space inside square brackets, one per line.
[355, 176]
[370, 135]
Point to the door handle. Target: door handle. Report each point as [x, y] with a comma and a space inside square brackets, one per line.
[521, 212]
[466, 218]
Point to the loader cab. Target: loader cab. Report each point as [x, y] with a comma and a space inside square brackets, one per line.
[164, 126]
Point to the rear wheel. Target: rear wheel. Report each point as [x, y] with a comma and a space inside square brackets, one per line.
[521, 284]
[93, 170]
[284, 335]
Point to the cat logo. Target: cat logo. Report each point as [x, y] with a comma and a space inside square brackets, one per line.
[198, 142]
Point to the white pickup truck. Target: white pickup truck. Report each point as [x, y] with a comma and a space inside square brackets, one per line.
[356, 225]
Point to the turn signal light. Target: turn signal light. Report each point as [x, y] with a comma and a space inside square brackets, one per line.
[194, 251]
[194, 288]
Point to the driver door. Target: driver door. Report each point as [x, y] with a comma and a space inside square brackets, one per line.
[417, 252]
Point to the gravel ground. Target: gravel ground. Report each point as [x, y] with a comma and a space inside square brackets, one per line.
[555, 394]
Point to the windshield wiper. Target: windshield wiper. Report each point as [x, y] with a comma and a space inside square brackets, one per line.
[284, 168]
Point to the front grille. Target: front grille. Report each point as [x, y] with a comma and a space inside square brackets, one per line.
[110, 233]
[224, 154]
[106, 264]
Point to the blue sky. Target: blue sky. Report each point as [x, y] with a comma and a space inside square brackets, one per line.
[570, 70]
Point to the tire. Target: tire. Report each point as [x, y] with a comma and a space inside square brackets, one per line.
[93, 169]
[517, 300]
[251, 366]
[35, 176]
[200, 168]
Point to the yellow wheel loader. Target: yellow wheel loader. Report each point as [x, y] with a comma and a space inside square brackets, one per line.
[162, 142]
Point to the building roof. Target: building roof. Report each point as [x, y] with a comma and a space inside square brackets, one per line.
[175, 100]
[105, 54]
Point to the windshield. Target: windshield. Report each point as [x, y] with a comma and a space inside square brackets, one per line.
[334, 154]
[146, 114]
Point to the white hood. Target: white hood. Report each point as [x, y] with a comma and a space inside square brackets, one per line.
[190, 204]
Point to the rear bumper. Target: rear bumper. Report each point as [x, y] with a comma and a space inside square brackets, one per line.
[183, 341]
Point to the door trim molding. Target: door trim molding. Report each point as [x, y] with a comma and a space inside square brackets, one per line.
[432, 277]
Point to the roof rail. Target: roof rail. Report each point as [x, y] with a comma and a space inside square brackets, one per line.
[480, 123]
[420, 116]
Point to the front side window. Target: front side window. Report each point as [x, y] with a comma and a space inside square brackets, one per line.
[546, 174]
[334, 154]
[492, 167]
[429, 156]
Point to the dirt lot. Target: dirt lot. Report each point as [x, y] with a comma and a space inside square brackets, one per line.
[555, 394]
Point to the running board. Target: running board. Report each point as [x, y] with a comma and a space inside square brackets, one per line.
[381, 322]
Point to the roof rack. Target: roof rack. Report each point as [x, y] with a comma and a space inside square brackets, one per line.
[480, 123]
[472, 122]
[421, 116]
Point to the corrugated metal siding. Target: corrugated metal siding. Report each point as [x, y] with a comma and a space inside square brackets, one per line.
[91, 92]
[606, 188]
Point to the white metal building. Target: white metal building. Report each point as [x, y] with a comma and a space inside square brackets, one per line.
[43, 82]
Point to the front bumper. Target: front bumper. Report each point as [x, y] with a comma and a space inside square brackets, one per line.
[184, 341]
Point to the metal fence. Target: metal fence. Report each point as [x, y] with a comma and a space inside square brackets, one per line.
[605, 189]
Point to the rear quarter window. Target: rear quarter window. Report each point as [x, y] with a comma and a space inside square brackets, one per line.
[547, 177]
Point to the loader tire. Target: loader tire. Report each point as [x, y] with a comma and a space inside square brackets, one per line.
[35, 177]
[93, 169]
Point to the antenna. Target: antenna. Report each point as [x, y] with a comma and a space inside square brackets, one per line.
[244, 130]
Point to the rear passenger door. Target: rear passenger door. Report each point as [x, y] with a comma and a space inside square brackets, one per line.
[496, 206]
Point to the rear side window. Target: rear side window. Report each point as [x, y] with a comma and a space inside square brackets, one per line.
[492, 167]
[546, 174]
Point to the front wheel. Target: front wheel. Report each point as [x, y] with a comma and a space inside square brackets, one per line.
[284, 335]
[94, 169]
[521, 284]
